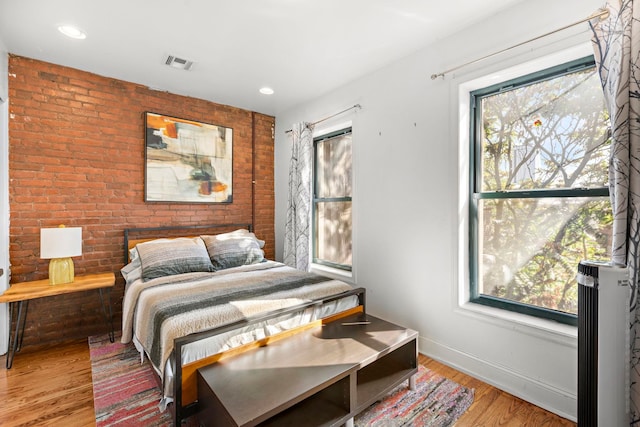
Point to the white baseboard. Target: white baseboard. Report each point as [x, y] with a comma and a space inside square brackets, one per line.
[560, 402]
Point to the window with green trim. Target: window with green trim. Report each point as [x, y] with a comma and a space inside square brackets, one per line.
[332, 200]
[538, 189]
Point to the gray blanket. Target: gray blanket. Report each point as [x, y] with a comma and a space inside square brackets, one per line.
[162, 309]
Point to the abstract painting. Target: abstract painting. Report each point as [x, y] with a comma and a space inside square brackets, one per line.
[187, 161]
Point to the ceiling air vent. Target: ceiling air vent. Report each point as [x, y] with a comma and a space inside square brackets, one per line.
[175, 62]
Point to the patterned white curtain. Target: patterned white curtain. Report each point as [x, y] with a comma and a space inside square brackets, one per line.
[297, 228]
[616, 42]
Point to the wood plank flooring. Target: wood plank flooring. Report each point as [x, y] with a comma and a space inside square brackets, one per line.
[52, 387]
[48, 387]
[494, 407]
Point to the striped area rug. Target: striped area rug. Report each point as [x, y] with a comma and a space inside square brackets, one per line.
[125, 393]
[436, 402]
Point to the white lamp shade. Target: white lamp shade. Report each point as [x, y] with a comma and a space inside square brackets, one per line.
[62, 242]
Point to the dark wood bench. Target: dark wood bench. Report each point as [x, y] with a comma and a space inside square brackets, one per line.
[321, 376]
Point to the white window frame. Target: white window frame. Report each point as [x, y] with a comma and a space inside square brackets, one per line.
[548, 328]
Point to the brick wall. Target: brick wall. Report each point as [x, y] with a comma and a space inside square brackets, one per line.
[76, 157]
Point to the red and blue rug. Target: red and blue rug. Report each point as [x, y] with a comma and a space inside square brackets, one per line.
[125, 393]
[436, 402]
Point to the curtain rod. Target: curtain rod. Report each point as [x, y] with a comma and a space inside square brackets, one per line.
[601, 13]
[331, 116]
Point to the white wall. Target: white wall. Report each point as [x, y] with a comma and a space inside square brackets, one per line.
[4, 192]
[409, 214]
[4, 72]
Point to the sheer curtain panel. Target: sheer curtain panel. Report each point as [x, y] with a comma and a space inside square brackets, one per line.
[298, 225]
[616, 42]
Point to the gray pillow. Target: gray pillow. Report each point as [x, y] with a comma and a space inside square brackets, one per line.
[233, 249]
[166, 257]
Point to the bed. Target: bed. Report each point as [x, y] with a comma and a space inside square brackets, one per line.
[194, 295]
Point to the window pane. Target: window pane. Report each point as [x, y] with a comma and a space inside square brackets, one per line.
[530, 248]
[333, 225]
[333, 172]
[550, 134]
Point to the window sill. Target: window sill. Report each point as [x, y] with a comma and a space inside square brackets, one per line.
[542, 328]
[334, 273]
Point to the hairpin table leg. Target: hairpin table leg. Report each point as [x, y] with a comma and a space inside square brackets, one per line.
[108, 317]
[18, 332]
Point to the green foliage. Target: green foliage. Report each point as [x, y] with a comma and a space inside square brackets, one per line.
[553, 134]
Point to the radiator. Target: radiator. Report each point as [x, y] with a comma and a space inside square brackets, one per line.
[603, 345]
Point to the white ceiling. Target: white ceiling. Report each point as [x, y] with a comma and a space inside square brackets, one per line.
[300, 48]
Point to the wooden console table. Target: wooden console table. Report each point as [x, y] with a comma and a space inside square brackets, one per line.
[21, 293]
[322, 376]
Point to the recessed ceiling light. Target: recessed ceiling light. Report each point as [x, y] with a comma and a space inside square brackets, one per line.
[71, 31]
[266, 91]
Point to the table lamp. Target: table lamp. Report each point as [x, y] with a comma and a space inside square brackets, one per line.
[59, 245]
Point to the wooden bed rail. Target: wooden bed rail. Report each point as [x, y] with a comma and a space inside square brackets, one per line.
[185, 377]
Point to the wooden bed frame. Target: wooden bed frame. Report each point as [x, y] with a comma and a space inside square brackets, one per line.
[185, 399]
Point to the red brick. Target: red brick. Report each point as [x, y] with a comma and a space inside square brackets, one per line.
[76, 156]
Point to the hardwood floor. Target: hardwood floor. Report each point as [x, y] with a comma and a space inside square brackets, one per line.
[48, 387]
[494, 407]
[52, 387]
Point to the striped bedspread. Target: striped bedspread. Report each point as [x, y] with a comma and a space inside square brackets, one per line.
[165, 308]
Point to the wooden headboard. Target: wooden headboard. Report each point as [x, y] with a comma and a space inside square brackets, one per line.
[133, 236]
